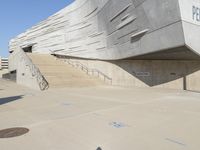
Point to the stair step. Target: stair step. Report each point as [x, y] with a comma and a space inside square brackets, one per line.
[60, 74]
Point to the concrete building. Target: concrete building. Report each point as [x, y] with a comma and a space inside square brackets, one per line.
[3, 63]
[151, 43]
[3, 66]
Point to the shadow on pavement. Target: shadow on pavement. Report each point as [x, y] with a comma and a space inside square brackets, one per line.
[5, 100]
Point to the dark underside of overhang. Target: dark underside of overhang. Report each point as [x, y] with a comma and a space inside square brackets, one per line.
[179, 53]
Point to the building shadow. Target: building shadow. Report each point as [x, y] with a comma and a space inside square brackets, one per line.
[5, 100]
[158, 72]
[161, 67]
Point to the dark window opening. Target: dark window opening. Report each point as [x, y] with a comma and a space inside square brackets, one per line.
[28, 49]
[13, 72]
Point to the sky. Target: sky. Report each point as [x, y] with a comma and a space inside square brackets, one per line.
[18, 15]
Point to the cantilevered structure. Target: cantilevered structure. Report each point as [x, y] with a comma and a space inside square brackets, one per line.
[134, 42]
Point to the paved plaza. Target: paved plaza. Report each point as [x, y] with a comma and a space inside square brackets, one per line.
[111, 118]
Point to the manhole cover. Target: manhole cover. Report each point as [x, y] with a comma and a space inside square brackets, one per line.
[13, 132]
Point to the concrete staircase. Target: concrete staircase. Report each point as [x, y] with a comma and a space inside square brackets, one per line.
[59, 74]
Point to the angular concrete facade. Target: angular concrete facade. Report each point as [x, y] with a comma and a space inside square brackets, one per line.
[115, 29]
[112, 30]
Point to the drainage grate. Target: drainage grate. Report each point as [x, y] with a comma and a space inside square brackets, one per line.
[13, 132]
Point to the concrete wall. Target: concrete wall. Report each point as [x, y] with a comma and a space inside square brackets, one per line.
[3, 71]
[107, 29]
[150, 73]
[24, 76]
[190, 15]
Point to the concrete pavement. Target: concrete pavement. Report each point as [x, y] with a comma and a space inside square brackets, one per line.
[112, 118]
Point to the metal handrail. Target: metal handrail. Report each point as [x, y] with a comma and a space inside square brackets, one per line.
[84, 68]
[35, 72]
[88, 71]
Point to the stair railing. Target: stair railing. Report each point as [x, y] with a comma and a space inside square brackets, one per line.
[93, 72]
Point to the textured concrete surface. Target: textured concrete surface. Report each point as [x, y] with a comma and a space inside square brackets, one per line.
[112, 118]
[116, 29]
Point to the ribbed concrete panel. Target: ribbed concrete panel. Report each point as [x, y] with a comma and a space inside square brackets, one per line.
[110, 29]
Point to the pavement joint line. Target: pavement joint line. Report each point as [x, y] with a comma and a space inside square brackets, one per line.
[175, 142]
[72, 116]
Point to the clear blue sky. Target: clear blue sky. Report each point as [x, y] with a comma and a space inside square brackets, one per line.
[18, 15]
